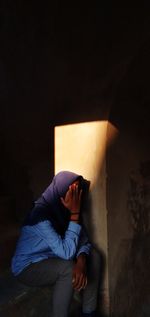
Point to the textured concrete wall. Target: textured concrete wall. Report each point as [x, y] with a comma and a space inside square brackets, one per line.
[128, 203]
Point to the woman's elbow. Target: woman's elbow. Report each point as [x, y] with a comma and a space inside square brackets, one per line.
[69, 254]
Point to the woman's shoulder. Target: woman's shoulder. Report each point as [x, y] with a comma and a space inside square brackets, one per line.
[36, 215]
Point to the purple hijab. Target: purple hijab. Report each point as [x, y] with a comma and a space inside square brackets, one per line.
[49, 206]
[59, 186]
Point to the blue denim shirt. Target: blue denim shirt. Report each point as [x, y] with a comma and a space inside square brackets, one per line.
[41, 241]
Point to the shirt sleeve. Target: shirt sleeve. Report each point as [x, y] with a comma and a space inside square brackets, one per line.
[64, 248]
[84, 246]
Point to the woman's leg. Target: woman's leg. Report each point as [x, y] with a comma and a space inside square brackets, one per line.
[63, 291]
[56, 272]
[90, 294]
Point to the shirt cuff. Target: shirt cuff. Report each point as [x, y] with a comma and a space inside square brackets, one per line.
[75, 227]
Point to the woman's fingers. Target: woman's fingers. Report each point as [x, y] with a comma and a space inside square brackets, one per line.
[80, 194]
[68, 198]
[72, 198]
[69, 194]
[79, 282]
[83, 285]
[78, 285]
[76, 194]
[63, 201]
[76, 278]
[76, 190]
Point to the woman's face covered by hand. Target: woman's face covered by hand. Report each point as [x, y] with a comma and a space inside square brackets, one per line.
[72, 199]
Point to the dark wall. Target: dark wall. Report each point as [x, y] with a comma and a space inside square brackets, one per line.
[128, 194]
[57, 65]
[72, 64]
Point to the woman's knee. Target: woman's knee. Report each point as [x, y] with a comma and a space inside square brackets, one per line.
[66, 267]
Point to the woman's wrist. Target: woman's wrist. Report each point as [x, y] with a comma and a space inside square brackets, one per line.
[75, 216]
[82, 257]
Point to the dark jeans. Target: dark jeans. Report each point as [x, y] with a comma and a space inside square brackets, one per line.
[58, 272]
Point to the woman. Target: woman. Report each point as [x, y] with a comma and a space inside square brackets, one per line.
[53, 248]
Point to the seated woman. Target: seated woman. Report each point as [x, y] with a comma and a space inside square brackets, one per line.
[53, 247]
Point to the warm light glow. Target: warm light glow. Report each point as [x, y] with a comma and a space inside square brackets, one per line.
[81, 148]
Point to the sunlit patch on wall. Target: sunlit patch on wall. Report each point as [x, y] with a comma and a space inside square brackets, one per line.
[81, 148]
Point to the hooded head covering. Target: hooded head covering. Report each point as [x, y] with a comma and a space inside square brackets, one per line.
[49, 206]
[59, 186]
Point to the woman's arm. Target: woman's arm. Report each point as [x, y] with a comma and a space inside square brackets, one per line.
[80, 268]
[84, 246]
[64, 248]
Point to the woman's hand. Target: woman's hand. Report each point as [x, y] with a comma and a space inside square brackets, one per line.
[79, 279]
[72, 200]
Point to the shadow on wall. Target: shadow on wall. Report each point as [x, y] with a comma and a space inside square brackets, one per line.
[100, 258]
[14, 182]
[15, 200]
[132, 292]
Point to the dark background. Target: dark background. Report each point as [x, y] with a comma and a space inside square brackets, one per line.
[63, 63]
